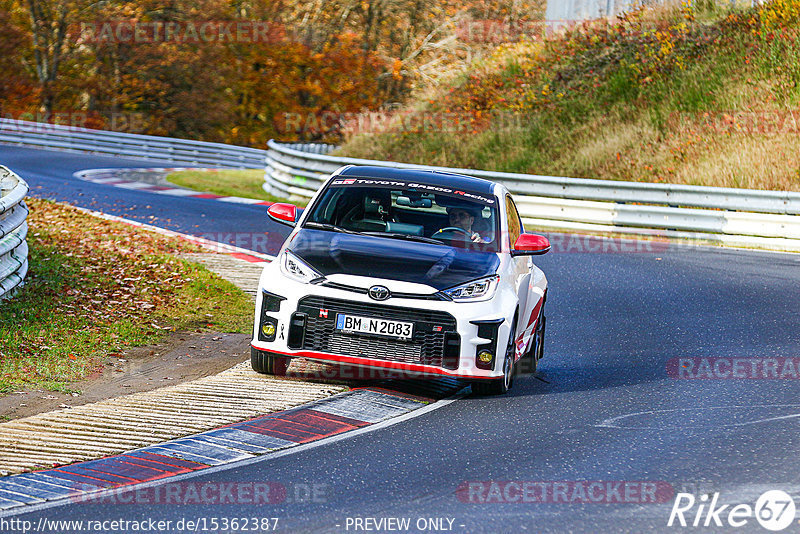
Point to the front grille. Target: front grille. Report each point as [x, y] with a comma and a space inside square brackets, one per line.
[364, 291]
[360, 345]
[428, 345]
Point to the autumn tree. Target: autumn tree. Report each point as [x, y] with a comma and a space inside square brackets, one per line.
[321, 57]
[48, 25]
[175, 86]
[17, 88]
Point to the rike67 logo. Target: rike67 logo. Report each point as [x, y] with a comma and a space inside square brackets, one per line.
[774, 510]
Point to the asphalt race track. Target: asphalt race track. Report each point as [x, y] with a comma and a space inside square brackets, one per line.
[612, 410]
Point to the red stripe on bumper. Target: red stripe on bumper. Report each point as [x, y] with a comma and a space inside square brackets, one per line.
[369, 362]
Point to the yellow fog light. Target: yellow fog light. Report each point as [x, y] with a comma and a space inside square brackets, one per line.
[268, 329]
[485, 356]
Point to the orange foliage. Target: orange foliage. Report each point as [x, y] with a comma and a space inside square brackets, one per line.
[320, 60]
[17, 91]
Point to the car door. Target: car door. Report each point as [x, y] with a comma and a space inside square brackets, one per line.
[521, 269]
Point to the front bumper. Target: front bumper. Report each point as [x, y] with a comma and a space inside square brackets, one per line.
[445, 343]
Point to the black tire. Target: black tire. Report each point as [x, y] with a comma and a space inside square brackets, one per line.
[537, 348]
[529, 362]
[540, 337]
[502, 385]
[268, 364]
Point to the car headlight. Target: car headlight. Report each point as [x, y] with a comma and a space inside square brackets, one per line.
[297, 269]
[481, 289]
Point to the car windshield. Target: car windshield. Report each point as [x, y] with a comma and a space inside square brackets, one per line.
[445, 217]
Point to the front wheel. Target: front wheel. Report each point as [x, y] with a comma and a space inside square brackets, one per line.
[540, 338]
[535, 352]
[502, 385]
[268, 364]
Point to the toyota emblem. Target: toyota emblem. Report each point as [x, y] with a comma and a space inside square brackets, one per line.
[379, 293]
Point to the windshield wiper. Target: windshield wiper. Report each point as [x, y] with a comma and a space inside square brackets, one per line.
[407, 237]
[329, 227]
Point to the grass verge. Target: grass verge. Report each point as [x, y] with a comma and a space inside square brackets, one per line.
[230, 183]
[96, 287]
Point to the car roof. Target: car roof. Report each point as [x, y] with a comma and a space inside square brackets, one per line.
[453, 180]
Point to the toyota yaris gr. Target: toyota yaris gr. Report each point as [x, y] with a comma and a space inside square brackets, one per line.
[422, 272]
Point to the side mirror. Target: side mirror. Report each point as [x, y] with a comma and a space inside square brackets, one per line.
[283, 213]
[531, 245]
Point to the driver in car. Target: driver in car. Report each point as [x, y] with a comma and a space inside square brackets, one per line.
[464, 218]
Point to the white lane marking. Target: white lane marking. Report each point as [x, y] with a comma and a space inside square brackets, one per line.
[241, 200]
[612, 422]
[133, 185]
[177, 192]
[90, 496]
[110, 180]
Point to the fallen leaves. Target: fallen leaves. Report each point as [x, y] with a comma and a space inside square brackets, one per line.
[94, 288]
[122, 269]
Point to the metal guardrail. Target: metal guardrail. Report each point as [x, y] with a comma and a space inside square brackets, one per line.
[745, 217]
[13, 231]
[146, 147]
[737, 216]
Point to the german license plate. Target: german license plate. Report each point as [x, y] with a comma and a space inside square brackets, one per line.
[354, 324]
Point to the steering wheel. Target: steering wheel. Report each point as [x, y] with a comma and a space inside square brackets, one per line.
[449, 233]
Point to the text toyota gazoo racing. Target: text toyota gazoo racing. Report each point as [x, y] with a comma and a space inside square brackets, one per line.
[423, 272]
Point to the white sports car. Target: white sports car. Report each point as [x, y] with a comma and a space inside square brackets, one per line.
[422, 272]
